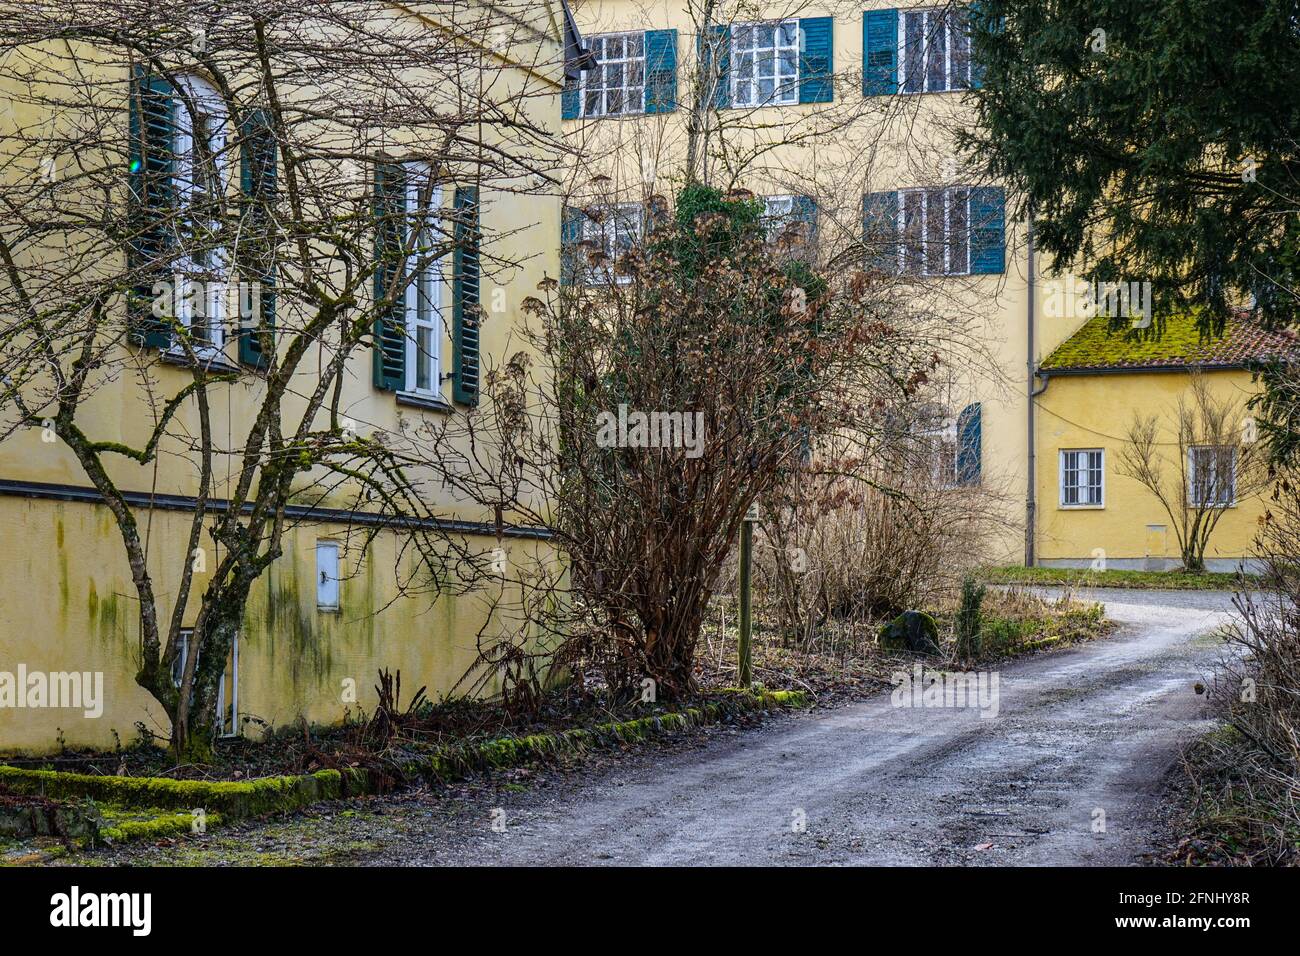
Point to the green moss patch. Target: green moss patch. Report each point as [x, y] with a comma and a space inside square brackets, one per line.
[156, 807]
[1147, 580]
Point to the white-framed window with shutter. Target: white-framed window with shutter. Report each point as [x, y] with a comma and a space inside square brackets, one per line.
[765, 63]
[616, 229]
[934, 50]
[1083, 478]
[617, 85]
[426, 294]
[201, 177]
[778, 212]
[935, 226]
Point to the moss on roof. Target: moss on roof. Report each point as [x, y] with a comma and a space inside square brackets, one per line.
[1178, 344]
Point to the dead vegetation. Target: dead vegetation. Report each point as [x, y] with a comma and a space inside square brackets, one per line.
[1243, 800]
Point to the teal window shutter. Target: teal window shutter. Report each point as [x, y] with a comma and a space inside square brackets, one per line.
[466, 278]
[880, 230]
[661, 71]
[569, 98]
[816, 60]
[721, 44]
[570, 236]
[969, 445]
[987, 231]
[390, 277]
[258, 180]
[879, 52]
[980, 28]
[805, 211]
[151, 203]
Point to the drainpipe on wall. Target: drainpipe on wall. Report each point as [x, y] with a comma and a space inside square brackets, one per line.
[1031, 503]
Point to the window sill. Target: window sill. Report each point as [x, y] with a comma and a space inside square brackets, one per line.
[217, 363]
[610, 116]
[427, 402]
[1081, 507]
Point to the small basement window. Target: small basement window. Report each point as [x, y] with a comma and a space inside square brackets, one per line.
[327, 575]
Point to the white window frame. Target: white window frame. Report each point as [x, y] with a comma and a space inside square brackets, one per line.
[1192, 500]
[1101, 485]
[233, 729]
[943, 451]
[778, 212]
[328, 546]
[428, 286]
[632, 94]
[951, 26]
[210, 105]
[178, 663]
[951, 267]
[785, 89]
[606, 233]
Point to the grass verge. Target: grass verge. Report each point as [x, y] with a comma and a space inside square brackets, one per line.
[1144, 580]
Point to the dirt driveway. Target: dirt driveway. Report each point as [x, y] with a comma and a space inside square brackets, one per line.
[1067, 771]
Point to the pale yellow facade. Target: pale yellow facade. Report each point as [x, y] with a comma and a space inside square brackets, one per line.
[856, 144]
[1130, 529]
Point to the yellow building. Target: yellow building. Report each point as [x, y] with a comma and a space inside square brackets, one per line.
[336, 606]
[1094, 512]
[842, 115]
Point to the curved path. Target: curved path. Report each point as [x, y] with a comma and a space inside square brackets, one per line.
[1080, 733]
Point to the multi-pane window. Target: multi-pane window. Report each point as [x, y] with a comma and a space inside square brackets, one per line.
[935, 50]
[765, 63]
[201, 175]
[615, 231]
[617, 84]
[1082, 483]
[935, 225]
[1211, 475]
[424, 322]
[778, 212]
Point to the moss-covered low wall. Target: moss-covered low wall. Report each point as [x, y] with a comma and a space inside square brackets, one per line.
[239, 800]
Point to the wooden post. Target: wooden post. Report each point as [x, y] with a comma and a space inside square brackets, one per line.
[746, 563]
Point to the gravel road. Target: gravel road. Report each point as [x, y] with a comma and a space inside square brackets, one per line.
[1082, 738]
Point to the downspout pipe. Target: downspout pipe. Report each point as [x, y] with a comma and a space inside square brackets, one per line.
[1031, 503]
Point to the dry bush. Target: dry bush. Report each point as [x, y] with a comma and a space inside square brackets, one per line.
[1248, 778]
[848, 543]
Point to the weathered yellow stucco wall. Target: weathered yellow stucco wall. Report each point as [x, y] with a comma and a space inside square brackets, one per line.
[66, 598]
[1095, 411]
[69, 605]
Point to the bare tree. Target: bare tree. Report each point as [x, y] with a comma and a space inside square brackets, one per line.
[158, 155]
[1215, 463]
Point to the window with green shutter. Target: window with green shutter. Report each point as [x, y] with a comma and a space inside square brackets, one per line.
[661, 71]
[390, 277]
[258, 179]
[466, 278]
[816, 59]
[880, 230]
[879, 52]
[151, 204]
